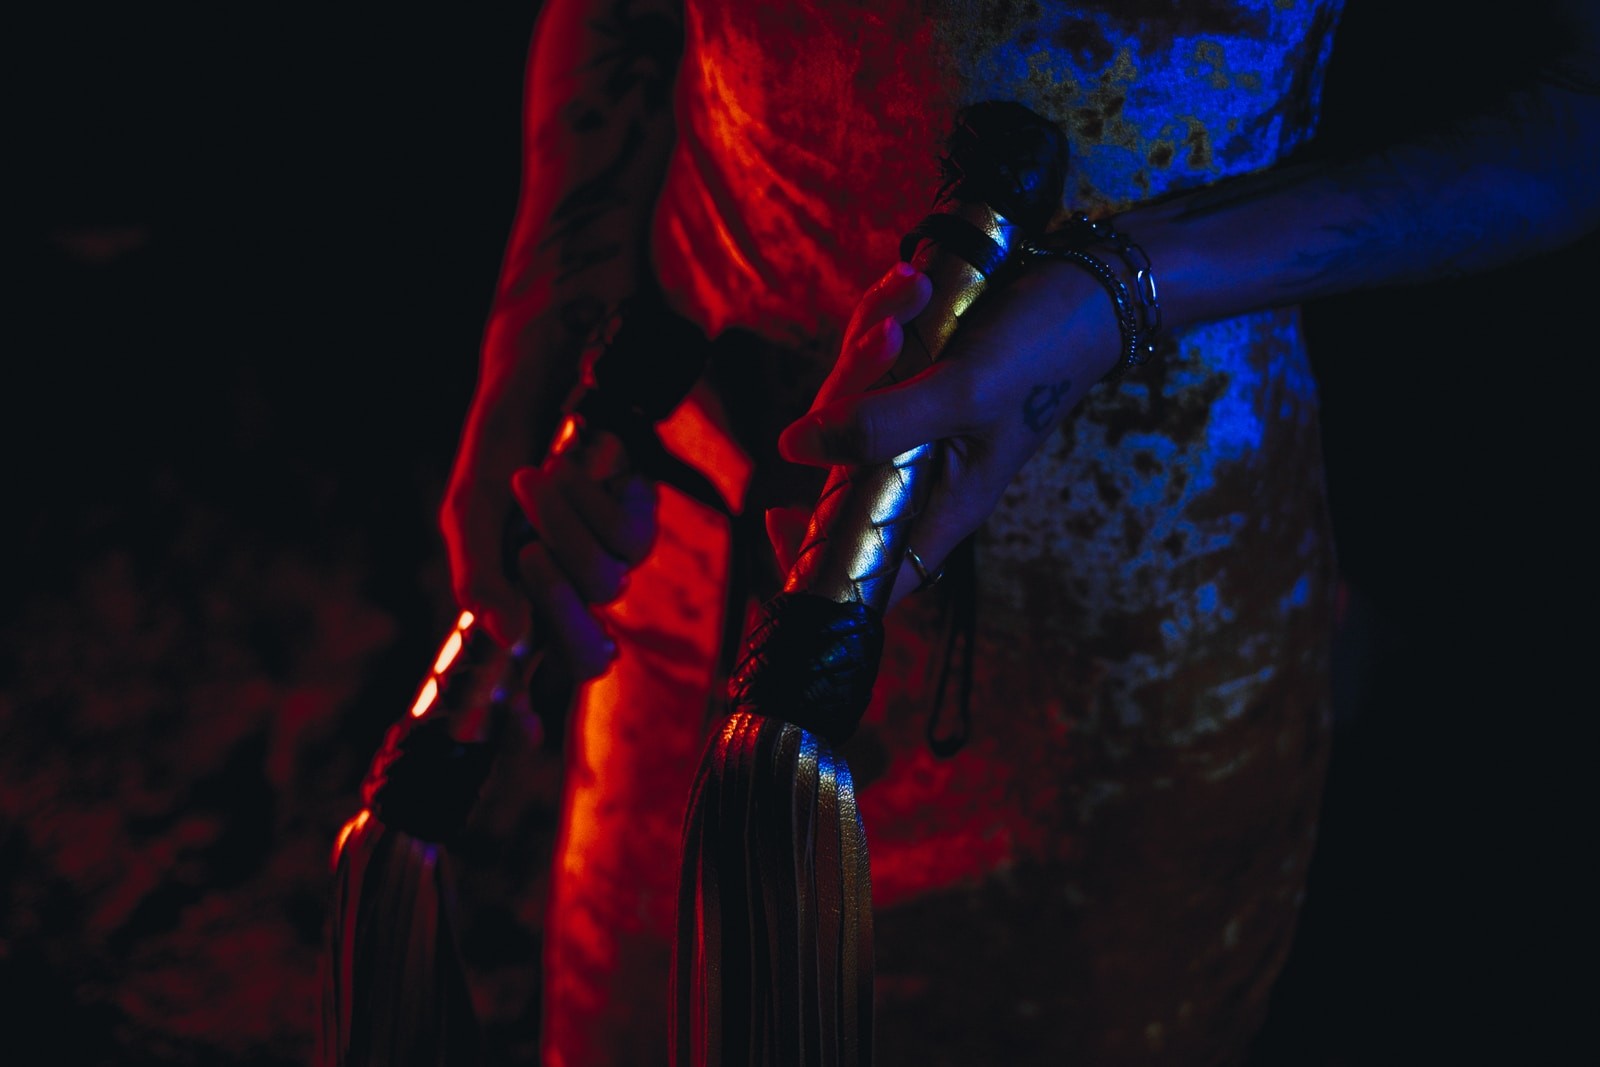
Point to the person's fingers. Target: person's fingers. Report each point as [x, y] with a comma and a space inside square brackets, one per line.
[476, 578]
[595, 574]
[899, 294]
[562, 616]
[875, 335]
[473, 512]
[618, 505]
[933, 538]
[908, 581]
[621, 513]
[864, 358]
[966, 490]
[875, 427]
[495, 603]
[786, 530]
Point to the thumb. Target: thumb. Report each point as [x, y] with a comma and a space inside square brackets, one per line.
[870, 427]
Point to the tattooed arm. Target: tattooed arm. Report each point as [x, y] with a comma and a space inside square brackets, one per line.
[1503, 186]
[1487, 191]
[597, 132]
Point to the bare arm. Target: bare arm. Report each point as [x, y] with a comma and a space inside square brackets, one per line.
[1496, 188]
[596, 138]
[597, 129]
[1505, 185]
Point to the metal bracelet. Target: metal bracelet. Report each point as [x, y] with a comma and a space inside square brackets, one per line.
[1136, 347]
[1132, 253]
[1085, 232]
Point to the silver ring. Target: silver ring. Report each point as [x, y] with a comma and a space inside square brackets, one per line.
[929, 580]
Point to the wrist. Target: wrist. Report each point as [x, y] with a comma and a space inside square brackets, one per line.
[1122, 270]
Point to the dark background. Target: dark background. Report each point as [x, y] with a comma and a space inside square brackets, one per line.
[253, 254]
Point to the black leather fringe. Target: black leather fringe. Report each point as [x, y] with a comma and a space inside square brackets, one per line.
[394, 988]
[395, 991]
[773, 960]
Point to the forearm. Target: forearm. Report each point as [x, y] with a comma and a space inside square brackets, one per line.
[597, 134]
[1487, 192]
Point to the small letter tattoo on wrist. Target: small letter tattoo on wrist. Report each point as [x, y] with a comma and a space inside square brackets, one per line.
[1039, 410]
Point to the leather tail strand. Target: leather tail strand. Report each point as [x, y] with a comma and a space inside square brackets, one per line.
[773, 960]
[396, 992]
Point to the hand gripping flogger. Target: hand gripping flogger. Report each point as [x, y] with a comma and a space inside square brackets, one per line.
[394, 985]
[773, 960]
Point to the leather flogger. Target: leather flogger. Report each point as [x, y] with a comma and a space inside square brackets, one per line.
[394, 985]
[773, 959]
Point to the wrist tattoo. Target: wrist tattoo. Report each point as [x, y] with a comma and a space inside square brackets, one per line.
[1039, 409]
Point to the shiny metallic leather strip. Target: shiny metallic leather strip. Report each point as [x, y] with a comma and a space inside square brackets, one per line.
[857, 536]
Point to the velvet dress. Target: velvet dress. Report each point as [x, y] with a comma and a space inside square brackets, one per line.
[1109, 870]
